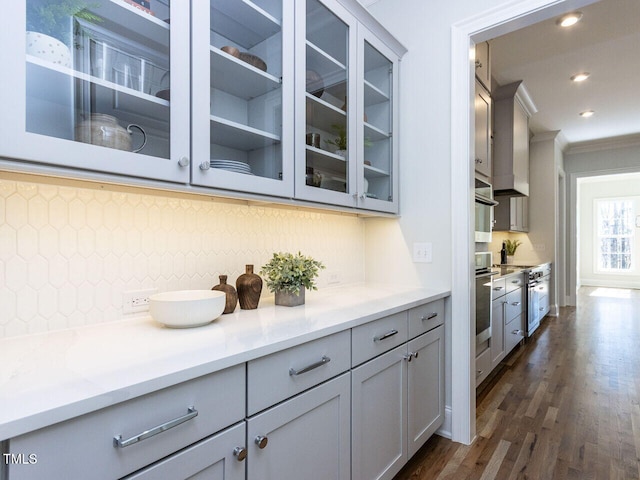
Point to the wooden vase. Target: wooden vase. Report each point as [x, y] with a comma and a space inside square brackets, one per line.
[230, 292]
[249, 286]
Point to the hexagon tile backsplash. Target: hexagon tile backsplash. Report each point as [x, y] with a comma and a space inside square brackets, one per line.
[67, 254]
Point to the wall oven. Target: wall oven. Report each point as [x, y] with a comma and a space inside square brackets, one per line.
[483, 296]
[484, 211]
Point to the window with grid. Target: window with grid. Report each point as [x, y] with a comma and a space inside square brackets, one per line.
[614, 235]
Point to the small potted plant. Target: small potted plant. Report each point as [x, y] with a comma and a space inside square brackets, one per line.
[288, 275]
[340, 141]
[511, 246]
[50, 28]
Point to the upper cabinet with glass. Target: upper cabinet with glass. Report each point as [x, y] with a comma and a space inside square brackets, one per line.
[100, 85]
[243, 79]
[345, 109]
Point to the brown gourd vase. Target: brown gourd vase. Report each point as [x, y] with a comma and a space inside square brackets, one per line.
[249, 286]
[230, 292]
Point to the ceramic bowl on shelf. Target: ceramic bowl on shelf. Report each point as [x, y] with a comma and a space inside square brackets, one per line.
[186, 308]
[233, 51]
[253, 60]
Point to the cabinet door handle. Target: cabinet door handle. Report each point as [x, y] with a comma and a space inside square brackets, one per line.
[390, 333]
[324, 360]
[408, 357]
[518, 332]
[415, 354]
[183, 161]
[204, 166]
[515, 304]
[429, 316]
[497, 289]
[240, 453]
[479, 372]
[119, 443]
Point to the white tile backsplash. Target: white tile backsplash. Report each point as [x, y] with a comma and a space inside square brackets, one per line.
[67, 253]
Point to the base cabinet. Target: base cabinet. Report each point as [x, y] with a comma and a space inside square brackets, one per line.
[398, 403]
[221, 457]
[305, 437]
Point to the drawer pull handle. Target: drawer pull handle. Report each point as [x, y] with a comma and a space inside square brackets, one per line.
[497, 289]
[240, 453]
[390, 333]
[119, 443]
[515, 304]
[479, 372]
[430, 316]
[324, 360]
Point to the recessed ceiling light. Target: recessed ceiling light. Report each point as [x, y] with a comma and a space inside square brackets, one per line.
[569, 19]
[587, 113]
[580, 77]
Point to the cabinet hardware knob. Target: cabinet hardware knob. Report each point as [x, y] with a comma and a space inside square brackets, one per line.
[429, 316]
[479, 372]
[205, 165]
[478, 161]
[261, 441]
[118, 442]
[409, 356]
[240, 453]
[478, 64]
[183, 161]
[515, 304]
[497, 289]
[415, 354]
[363, 197]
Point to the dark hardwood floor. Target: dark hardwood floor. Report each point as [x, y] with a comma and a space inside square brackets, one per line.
[565, 405]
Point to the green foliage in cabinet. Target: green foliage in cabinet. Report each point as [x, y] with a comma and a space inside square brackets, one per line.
[53, 17]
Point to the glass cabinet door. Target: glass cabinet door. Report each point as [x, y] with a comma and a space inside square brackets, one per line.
[94, 86]
[326, 95]
[243, 95]
[378, 168]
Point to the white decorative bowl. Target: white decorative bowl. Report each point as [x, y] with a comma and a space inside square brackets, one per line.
[48, 48]
[186, 308]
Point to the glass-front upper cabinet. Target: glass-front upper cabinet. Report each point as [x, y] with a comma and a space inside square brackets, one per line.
[242, 94]
[326, 97]
[378, 165]
[100, 85]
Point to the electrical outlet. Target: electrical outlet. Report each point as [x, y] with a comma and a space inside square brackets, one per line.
[423, 252]
[136, 301]
[333, 278]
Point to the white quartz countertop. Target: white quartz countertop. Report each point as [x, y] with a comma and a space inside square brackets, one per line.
[51, 377]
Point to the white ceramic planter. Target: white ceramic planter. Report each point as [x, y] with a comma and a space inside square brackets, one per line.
[48, 48]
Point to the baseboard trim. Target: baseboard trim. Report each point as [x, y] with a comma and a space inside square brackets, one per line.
[445, 428]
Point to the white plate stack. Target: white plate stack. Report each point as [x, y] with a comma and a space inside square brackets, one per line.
[232, 166]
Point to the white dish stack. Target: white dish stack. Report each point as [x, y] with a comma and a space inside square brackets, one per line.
[232, 166]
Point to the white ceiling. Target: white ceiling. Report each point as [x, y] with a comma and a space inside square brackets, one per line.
[606, 43]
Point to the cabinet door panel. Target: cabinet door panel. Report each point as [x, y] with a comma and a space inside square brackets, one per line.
[482, 106]
[379, 416]
[497, 331]
[210, 459]
[307, 436]
[243, 95]
[103, 105]
[425, 387]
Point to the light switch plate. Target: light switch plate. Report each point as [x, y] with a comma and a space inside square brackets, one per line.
[422, 252]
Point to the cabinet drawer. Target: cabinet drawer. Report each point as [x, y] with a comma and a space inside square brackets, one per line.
[498, 288]
[514, 306]
[84, 447]
[483, 366]
[513, 333]
[373, 338]
[426, 317]
[514, 282]
[281, 375]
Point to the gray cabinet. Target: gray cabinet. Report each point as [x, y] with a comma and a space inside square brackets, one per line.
[512, 108]
[507, 317]
[483, 131]
[511, 214]
[483, 64]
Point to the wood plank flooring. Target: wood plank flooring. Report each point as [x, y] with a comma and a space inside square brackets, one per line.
[565, 405]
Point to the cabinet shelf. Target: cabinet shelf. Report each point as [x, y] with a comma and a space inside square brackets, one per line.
[123, 19]
[331, 70]
[54, 79]
[323, 160]
[238, 136]
[374, 172]
[322, 114]
[238, 78]
[373, 95]
[374, 134]
[243, 22]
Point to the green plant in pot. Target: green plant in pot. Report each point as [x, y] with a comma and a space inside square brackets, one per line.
[288, 275]
[340, 141]
[50, 27]
[511, 246]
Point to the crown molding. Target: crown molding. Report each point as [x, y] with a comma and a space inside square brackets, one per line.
[610, 143]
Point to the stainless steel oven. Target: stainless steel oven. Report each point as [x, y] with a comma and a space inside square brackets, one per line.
[484, 211]
[483, 296]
